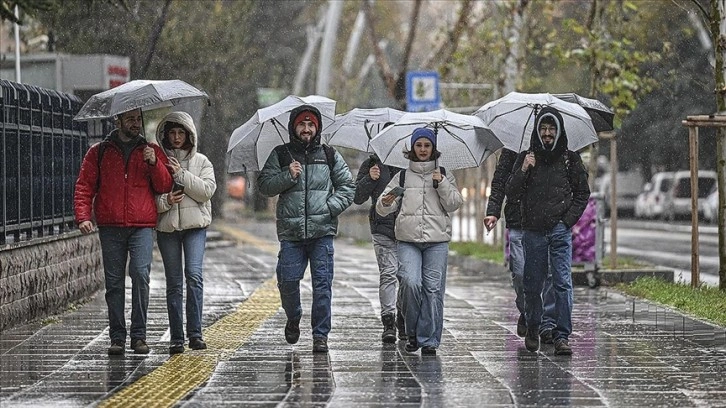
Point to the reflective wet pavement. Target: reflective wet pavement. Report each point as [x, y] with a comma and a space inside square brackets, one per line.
[626, 352]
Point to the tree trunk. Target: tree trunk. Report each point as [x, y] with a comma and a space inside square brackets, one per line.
[717, 21]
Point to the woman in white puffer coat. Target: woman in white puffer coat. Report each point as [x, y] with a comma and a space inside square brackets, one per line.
[184, 215]
[423, 232]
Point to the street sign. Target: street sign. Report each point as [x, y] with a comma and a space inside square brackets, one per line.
[422, 91]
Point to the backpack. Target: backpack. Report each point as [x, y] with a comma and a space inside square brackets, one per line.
[282, 151]
[101, 150]
[402, 178]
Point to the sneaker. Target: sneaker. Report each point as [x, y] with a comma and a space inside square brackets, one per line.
[292, 330]
[545, 337]
[139, 346]
[196, 343]
[320, 345]
[411, 344]
[428, 351]
[531, 340]
[389, 328]
[116, 349]
[176, 348]
[562, 348]
[521, 326]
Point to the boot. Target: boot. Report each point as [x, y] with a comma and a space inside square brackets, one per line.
[389, 328]
[400, 325]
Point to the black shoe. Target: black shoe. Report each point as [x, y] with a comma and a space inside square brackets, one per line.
[428, 351]
[139, 346]
[411, 344]
[116, 349]
[389, 328]
[176, 348]
[545, 337]
[320, 345]
[521, 326]
[531, 340]
[562, 348]
[292, 330]
[401, 326]
[196, 343]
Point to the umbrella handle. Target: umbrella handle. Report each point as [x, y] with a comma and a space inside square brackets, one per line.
[436, 164]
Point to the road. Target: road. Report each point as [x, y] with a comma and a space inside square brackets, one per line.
[667, 244]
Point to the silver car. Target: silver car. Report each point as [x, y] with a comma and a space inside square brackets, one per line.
[678, 199]
[651, 202]
[710, 206]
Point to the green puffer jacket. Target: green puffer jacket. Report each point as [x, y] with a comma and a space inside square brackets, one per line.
[308, 207]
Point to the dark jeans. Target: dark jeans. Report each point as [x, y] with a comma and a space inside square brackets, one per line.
[119, 245]
[292, 260]
[549, 250]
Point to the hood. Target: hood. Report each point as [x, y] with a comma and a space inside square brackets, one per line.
[560, 145]
[185, 120]
[291, 129]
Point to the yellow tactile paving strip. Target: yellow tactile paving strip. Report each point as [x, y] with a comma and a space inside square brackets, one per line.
[182, 373]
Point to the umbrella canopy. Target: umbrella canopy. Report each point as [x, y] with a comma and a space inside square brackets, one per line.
[463, 140]
[511, 118]
[355, 128]
[139, 94]
[601, 116]
[251, 144]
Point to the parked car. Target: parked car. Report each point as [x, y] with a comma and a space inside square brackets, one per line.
[710, 206]
[678, 199]
[649, 203]
[629, 185]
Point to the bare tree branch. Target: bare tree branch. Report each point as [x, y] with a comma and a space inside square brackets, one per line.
[383, 68]
[154, 38]
[451, 42]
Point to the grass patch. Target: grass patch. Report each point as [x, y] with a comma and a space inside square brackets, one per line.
[704, 302]
[624, 262]
[478, 250]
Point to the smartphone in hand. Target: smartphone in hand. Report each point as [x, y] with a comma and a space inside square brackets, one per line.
[178, 187]
[397, 191]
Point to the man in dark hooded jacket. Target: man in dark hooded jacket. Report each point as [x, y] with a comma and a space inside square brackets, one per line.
[505, 167]
[551, 183]
[314, 186]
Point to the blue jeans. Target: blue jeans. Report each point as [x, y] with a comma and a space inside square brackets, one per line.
[190, 243]
[423, 281]
[291, 263]
[549, 250]
[516, 266]
[119, 245]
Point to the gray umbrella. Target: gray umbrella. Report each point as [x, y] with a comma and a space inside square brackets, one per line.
[139, 94]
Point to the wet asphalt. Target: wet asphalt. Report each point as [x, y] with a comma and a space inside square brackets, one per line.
[627, 352]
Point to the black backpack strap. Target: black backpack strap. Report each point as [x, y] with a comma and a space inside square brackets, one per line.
[402, 178]
[101, 150]
[329, 156]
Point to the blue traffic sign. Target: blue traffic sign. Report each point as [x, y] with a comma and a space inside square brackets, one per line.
[422, 91]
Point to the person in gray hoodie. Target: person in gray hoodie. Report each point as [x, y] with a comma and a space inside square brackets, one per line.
[184, 214]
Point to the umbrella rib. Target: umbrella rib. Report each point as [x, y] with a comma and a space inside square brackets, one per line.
[468, 149]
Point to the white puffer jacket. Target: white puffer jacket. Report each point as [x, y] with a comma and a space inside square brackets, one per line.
[424, 215]
[197, 176]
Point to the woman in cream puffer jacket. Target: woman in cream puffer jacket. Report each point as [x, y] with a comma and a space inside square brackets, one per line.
[423, 231]
[184, 214]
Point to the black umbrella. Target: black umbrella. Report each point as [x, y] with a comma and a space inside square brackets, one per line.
[601, 115]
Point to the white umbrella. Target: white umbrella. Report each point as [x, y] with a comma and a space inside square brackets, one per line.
[463, 140]
[511, 118]
[355, 128]
[139, 94]
[251, 144]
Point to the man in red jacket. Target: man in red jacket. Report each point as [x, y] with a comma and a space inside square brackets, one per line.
[116, 185]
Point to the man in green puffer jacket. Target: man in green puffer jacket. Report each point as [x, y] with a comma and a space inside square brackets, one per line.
[314, 186]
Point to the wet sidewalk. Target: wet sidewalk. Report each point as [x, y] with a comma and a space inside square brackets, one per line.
[626, 352]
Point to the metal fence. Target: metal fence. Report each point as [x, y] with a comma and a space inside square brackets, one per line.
[42, 150]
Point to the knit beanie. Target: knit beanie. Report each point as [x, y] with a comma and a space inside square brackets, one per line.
[306, 115]
[423, 132]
